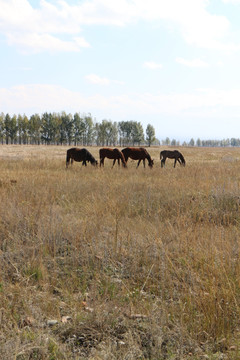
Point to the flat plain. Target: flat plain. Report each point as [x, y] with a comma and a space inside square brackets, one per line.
[114, 263]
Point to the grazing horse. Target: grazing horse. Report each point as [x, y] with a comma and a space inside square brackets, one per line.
[114, 154]
[137, 154]
[76, 154]
[175, 154]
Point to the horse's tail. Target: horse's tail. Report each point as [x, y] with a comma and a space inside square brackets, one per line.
[101, 157]
[182, 159]
[125, 154]
[123, 159]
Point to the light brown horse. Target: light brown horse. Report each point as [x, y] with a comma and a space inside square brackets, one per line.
[172, 154]
[139, 154]
[76, 154]
[114, 154]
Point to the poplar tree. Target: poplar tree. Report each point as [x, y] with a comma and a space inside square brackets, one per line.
[150, 132]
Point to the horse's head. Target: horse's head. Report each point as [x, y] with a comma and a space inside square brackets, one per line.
[150, 163]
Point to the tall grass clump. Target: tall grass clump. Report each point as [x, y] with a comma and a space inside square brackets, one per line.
[119, 263]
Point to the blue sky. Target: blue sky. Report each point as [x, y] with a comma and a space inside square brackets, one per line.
[174, 64]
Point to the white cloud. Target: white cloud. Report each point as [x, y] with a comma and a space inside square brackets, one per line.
[220, 64]
[44, 42]
[189, 18]
[152, 65]
[39, 98]
[51, 20]
[231, 1]
[192, 63]
[95, 79]
[39, 29]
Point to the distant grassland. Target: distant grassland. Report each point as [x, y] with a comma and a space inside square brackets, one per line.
[130, 263]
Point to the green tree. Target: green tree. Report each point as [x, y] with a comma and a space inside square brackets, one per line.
[88, 133]
[49, 128]
[137, 133]
[10, 128]
[199, 142]
[78, 129]
[23, 129]
[66, 128]
[104, 131]
[114, 134]
[125, 131]
[150, 134]
[166, 141]
[191, 142]
[34, 129]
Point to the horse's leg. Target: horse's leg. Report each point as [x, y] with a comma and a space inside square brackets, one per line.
[102, 162]
[175, 162]
[67, 161]
[138, 162]
[118, 162]
[71, 161]
[144, 163]
[163, 162]
[114, 162]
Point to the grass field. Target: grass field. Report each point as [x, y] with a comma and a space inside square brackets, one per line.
[101, 263]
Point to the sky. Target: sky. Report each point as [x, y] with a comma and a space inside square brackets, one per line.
[172, 64]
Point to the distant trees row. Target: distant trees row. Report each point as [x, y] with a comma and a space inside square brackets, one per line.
[203, 143]
[77, 129]
[82, 130]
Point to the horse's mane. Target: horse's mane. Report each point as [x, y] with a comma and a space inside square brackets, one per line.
[182, 158]
[147, 155]
[91, 158]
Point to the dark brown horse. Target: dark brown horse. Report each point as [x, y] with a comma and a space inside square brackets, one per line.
[139, 154]
[114, 154]
[175, 154]
[76, 154]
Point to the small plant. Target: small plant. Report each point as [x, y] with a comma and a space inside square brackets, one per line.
[33, 272]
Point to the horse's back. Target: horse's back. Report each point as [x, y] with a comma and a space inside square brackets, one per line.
[110, 153]
[134, 153]
[105, 152]
[77, 154]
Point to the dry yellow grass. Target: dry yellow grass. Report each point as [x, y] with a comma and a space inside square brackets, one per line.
[145, 262]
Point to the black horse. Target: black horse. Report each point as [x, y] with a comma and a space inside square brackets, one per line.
[76, 154]
[175, 154]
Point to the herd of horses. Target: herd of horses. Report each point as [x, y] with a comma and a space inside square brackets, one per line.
[140, 154]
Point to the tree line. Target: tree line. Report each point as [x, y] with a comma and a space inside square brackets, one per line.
[204, 143]
[83, 130]
[68, 129]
